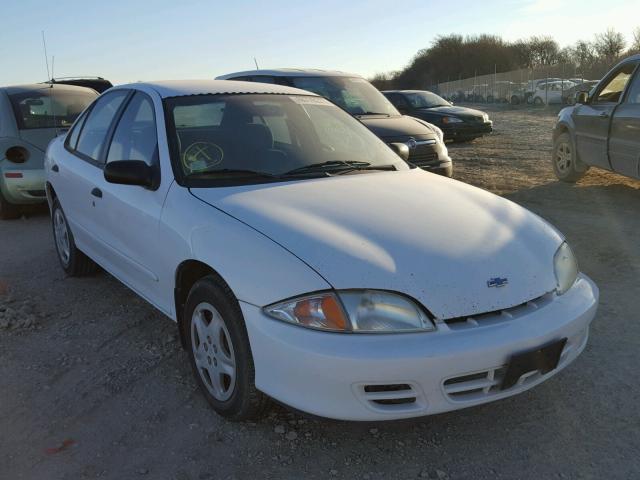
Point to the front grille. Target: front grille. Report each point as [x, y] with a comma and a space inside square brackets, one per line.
[499, 316]
[424, 156]
[484, 384]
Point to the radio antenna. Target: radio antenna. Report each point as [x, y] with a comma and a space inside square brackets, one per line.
[256, 62]
[46, 57]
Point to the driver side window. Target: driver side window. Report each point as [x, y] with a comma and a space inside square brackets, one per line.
[136, 137]
[612, 91]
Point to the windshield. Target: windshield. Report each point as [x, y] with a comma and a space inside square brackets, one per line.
[354, 94]
[248, 135]
[426, 100]
[49, 107]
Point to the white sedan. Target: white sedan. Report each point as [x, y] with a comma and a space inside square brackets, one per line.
[305, 261]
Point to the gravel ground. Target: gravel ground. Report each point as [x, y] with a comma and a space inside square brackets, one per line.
[93, 383]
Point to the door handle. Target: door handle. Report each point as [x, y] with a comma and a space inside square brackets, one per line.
[55, 168]
[96, 192]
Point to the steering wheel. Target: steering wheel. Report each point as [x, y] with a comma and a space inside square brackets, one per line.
[202, 156]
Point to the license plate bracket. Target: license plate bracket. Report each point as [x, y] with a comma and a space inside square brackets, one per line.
[544, 359]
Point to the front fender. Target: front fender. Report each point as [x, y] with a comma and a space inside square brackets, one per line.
[565, 123]
[258, 270]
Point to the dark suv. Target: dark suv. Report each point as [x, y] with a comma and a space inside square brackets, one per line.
[362, 100]
[603, 128]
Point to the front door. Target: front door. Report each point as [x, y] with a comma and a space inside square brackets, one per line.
[592, 120]
[624, 137]
[131, 213]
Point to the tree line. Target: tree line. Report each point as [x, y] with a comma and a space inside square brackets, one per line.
[453, 57]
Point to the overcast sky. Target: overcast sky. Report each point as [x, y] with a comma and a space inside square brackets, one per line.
[174, 39]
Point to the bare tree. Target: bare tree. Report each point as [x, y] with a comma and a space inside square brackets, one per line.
[609, 45]
[635, 46]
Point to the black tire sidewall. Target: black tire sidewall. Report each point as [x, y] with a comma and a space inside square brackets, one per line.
[208, 290]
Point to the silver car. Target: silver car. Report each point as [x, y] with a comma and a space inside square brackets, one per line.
[30, 117]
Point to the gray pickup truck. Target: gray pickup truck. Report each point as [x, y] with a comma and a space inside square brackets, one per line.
[603, 128]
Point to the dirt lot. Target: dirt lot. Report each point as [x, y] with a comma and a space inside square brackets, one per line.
[93, 383]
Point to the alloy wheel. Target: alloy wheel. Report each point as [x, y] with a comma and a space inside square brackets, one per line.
[563, 157]
[213, 351]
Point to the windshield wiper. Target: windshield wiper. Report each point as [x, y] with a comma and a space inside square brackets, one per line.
[352, 168]
[371, 113]
[231, 171]
[326, 166]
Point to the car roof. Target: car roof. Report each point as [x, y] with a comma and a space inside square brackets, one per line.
[288, 72]
[31, 87]
[180, 88]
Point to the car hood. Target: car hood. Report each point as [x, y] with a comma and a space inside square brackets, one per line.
[452, 110]
[434, 239]
[399, 126]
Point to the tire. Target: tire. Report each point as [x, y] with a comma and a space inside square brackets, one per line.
[515, 100]
[73, 261]
[566, 165]
[537, 101]
[8, 211]
[219, 351]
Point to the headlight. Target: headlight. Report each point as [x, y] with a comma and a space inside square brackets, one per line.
[566, 268]
[357, 311]
[448, 120]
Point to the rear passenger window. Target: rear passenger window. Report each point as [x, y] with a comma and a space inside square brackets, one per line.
[135, 137]
[94, 132]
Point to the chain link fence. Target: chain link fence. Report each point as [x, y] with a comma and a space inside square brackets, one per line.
[556, 84]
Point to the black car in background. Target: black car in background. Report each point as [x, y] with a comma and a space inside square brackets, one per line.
[460, 124]
[603, 128]
[99, 84]
[365, 102]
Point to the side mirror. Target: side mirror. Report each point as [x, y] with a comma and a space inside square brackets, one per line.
[582, 97]
[131, 172]
[401, 149]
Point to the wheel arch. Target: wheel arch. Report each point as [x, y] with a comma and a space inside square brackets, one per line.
[187, 274]
[51, 194]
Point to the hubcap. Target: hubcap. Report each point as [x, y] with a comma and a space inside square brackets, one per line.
[62, 236]
[213, 351]
[563, 157]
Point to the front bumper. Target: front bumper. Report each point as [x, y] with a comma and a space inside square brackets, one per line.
[347, 376]
[23, 187]
[466, 130]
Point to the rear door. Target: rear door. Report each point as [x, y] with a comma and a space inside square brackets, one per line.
[624, 137]
[80, 171]
[593, 120]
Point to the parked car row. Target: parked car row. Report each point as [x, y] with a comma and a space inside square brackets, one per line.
[305, 260]
[544, 91]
